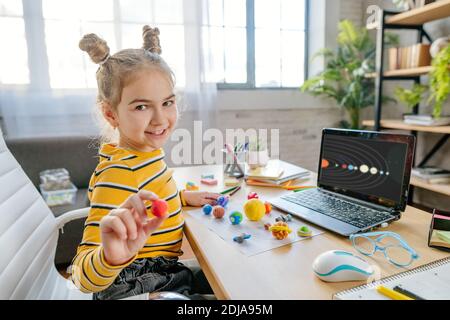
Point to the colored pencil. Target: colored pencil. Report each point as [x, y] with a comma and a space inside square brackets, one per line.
[234, 191]
[229, 190]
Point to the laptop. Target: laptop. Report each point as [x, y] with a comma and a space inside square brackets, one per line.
[363, 181]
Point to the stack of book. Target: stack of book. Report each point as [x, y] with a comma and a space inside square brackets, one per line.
[426, 120]
[275, 174]
[432, 175]
[414, 56]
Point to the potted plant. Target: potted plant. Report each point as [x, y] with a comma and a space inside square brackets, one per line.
[440, 80]
[344, 77]
[411, 97]
[258, 154]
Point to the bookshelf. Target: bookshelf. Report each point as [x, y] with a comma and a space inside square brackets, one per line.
[400, 125]
[412, 20]
[440, 188]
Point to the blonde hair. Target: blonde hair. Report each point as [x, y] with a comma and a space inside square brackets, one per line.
[116, 71]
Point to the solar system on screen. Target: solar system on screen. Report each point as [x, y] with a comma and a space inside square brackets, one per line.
[373, 168]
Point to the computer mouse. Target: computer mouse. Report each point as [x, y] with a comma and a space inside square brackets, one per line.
[339, 266]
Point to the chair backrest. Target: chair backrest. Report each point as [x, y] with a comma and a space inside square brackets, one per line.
[28, 238]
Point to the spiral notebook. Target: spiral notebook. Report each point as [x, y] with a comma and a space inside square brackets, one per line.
[430, 281]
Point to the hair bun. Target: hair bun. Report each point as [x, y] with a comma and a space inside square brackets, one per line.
[95, 46]
[151, 39]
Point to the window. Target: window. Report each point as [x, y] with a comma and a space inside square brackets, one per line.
[269, 53]
[14, 56]
[119, 22]
[246, 43]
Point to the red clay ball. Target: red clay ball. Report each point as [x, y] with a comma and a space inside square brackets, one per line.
[159, 208]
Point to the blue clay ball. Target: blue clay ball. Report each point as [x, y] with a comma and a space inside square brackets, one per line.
[207, 209]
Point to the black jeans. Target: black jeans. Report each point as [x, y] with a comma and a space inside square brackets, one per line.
[156, 274]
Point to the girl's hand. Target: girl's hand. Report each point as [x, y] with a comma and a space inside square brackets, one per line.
[126, 229]
[200, 198]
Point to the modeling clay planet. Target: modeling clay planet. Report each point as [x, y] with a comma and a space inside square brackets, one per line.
[159, 207]
[222, 201]
[268, 207]
[254, 209]
[218, 212]
[280, 230]
[252, 195]
[207, 209]
[304, 231]
[236, 217]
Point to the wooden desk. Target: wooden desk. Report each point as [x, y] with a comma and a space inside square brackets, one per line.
[285, 272]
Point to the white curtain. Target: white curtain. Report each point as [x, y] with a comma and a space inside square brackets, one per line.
[30, 110]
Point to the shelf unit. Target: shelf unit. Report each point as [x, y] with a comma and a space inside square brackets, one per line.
[412, 20]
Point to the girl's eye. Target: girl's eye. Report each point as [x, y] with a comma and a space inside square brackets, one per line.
[141, 107]
[168, 103]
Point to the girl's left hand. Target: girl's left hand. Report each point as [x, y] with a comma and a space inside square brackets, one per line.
[200, 198]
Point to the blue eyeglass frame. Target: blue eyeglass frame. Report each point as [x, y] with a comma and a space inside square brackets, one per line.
[380, 235]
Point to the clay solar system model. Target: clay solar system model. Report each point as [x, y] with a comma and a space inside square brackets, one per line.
[254, 209]
[236, 218]
[280, 230]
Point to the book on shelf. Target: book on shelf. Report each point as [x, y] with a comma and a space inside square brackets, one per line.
[275, 172]
[426, 120]
[417, 55]
[431, 174]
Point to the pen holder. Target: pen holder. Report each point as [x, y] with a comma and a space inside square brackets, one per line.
[234, 163]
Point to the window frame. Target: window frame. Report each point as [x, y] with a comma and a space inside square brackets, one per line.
[251, 65]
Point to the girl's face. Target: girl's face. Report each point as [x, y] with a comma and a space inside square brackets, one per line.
[147, 113]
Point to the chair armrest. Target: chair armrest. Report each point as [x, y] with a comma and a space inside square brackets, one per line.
[71, 215]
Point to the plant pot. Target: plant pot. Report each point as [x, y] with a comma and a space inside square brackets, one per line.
[258, 158]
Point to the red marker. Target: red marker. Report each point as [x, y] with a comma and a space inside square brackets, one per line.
[159, 208]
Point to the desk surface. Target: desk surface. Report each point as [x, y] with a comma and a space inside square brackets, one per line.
[285, 272]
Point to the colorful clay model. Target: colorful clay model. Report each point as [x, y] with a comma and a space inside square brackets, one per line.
[236, 217]
[252, 195]
[218, 212]
[267, 226]
[287, 218]
[304, 231]
[159, 208]
[280, 230]
[207, 209]
[208, 176]
[268, 207]
[254, 209]
[190, 186]
[209, 182]
[242, 237]
[223, 201]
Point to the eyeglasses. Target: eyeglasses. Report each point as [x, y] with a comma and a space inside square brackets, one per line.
[395, 249]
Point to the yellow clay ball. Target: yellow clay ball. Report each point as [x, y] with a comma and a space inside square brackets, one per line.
[254, 209]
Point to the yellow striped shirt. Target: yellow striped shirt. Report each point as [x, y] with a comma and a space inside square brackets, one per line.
[120, 174]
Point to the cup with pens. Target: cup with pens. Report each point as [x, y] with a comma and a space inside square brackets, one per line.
[234, 160]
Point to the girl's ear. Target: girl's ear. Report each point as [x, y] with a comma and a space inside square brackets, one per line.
[110, 115]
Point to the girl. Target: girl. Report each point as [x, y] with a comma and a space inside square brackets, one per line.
[126, 251]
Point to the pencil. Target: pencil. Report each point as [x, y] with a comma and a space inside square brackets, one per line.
[392, 294]
[229, 190]
[407, 293]
[234, 191]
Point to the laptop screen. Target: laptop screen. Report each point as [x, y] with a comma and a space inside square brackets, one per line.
[367, 165]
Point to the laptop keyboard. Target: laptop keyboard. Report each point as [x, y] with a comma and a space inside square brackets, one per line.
[338, 208]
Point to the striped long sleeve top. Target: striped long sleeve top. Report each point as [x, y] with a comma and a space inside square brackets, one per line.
[119, 174]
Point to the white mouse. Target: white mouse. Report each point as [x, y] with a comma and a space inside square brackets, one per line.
[338, 265]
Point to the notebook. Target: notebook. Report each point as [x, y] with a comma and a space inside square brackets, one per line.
[276, 172]
[430, 281]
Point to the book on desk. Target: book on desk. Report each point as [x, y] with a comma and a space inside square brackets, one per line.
[275, 173]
